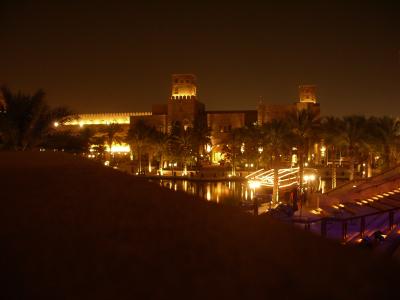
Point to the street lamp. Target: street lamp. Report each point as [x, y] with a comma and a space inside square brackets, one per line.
[255, 184]
[172, 165]
[307, 179]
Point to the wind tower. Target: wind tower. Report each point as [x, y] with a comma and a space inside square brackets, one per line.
[184, 86]
[183, 106]
[307, 93]
[308, 98]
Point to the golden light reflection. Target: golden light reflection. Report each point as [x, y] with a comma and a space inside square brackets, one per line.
[118, 148]
[185, 186]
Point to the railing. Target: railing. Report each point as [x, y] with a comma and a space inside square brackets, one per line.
[307, 223]
[379, 178]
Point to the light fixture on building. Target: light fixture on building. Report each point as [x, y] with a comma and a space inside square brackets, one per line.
[323, 151]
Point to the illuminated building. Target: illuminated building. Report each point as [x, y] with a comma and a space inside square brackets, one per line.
[105, 118]
[184, 107]
[307, 94]
[307, 99]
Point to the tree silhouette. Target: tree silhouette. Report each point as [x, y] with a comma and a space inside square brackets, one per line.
[333, 136]
[140, 136]
[277, 137]
[305, 125]
[355, 138]
[387, 134]
[110, 134]
[28, 119]
[161, 142]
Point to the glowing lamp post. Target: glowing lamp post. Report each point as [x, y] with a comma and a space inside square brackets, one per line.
[208, 149]
[255, 184]
[308, 180]
[172, 165]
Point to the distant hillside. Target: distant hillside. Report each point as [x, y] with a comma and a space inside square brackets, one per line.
[71, 229]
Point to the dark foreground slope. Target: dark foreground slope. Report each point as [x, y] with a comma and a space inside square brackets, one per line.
[70, 229]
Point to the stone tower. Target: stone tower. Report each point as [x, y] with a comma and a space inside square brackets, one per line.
[307, 93]
[184, 86]
[183, 106]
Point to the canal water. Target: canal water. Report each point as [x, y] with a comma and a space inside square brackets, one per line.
[227, 192]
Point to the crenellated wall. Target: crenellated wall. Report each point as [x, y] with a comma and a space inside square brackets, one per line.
[104, 118]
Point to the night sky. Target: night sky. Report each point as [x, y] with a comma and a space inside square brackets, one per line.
[115, 56]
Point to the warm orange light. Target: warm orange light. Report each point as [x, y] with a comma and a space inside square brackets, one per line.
[104, 119]
[118, 148]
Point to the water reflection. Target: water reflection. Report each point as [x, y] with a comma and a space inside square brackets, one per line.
[223, 191]
[217, 191]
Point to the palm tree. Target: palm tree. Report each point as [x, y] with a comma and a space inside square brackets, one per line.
[236, 145]
[182, 144]
[185, 150]
[305, 124]
[355, 138]
[110, 132]
[277, 136]
[332, 133]
[252, 140]
[28, 119]
[161, 143]
[387, 132]
[139, 137]
[200, 136]
[86, 136]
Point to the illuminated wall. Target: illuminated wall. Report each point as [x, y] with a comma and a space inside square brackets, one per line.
[307, 99]
[222, 123]
[105, 118]
[268, 112]
[307, 93]
[184, 86]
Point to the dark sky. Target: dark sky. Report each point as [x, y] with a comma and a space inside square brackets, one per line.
[116, 56]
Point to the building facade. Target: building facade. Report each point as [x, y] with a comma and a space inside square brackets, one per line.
[184, 107]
